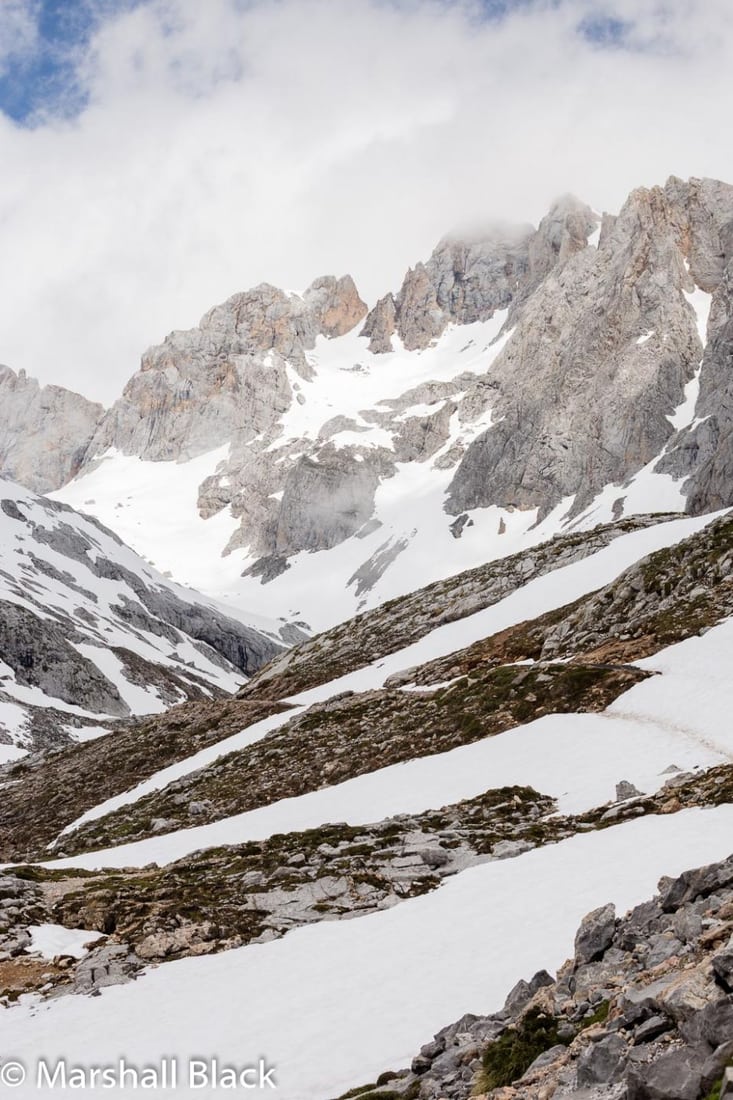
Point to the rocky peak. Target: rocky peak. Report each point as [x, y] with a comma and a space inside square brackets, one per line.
[563, 231]
[44, 431]
[226, 380]
[335, 304]
[600, 357]
[381, 325]
[468, 277]
[465, 280]
[703, 212]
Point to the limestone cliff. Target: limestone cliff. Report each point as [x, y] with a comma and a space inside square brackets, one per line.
[44, 431]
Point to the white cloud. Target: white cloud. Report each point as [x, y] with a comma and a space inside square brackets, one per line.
[233, 142]
[18, 29]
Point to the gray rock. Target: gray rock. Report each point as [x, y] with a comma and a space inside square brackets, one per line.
[625, 790]
[523, 992]
[111, 964]
[325, 501]
[547, 1058]
[723, 969]
[508, 849]
[676, 1074]
[602, 1063]
[595, 935]
[687, 925]
[41, 656]
[713, 1024]
[579, 402]
[662, 946]
[44, 432]
[699, 883]
[652, 1028]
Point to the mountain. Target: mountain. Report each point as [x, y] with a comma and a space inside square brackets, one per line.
[490, 799]
[90, 634]
[521, 382]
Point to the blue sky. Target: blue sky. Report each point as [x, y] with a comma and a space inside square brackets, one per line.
[43, 79]
[44, 76]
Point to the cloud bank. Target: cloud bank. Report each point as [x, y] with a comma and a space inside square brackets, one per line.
[224, 144]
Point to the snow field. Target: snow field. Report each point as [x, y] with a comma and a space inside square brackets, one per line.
[333, 1004]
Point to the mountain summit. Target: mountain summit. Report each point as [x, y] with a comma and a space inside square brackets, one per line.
[520, 381]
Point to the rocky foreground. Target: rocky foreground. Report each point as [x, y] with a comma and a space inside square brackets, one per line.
[643, 1011]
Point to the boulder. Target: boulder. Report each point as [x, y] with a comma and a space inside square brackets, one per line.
[595, 935]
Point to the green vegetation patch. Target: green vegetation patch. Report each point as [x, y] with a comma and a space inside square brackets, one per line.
[510, 1056]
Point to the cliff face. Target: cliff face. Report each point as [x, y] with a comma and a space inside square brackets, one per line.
[226, 379]
[601, 354]
[44, 432]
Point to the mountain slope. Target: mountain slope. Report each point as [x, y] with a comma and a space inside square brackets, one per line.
[89, 633]
[466, 767]
[446, 793]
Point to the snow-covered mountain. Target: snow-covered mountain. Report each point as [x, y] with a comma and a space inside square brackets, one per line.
[521, 382]
[89, 633]
[517, 470]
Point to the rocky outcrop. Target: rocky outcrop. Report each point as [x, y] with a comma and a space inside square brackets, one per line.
[326, 500]
[44, 431]
[335, 304]
[648, 1016]
[465, 280]
[226, 381]
[600, 357]
[381, 324]
[41, 655]
[563, 231]
[168, 614]
[25, 904]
